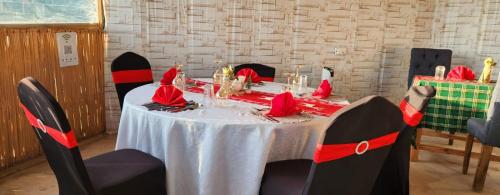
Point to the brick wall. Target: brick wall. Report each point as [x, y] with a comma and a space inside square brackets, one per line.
[374, 37]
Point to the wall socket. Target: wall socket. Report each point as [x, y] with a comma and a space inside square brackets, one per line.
[337, 51]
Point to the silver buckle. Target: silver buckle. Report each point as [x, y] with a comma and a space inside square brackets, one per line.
[42, 126]
[359, 144]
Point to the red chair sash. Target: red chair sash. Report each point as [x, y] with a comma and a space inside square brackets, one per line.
[68, 139]
[411, 115]
[132, 76]
[331, 152]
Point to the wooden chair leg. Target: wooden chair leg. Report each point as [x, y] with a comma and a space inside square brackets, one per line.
[450, 140]
[418, 137]
[482, 168]
[468, 151]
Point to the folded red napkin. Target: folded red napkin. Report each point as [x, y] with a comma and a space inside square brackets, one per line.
[168, 95]
[283, 105]
[461, 73]
[216, 88]
[168, 76]
[248, 72]
[324, 90]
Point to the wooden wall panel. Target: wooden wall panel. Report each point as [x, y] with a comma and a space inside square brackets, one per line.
[32, 51]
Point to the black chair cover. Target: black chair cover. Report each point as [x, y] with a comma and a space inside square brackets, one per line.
[265, 72]
[350, 158]
[129, 71]
[424, 61]
[368, 119]
[59, 144]
[394, 176]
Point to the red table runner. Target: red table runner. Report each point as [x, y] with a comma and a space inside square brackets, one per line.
[310, 105]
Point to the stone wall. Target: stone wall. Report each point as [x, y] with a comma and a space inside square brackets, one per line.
[367, 42]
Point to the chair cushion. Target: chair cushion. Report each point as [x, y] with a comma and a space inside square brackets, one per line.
[126, 172]
[285, 177]
[477, 128]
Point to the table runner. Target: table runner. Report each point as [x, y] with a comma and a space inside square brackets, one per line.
[455, 102]
[310, 105]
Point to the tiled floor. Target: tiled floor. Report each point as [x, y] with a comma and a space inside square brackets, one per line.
[433, 174]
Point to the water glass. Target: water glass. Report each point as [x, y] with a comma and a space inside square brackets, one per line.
[180, 81]
[439, 74]
[208, 94]
[302, 83]
[218, 78]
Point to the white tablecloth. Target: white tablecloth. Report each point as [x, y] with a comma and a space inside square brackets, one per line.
[214, 150]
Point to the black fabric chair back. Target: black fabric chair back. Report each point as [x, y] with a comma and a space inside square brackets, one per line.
[129, 71]
[424, 61]
[394, 176]
[354, 148]
[56, 137]
[493, 118]
[265, 72]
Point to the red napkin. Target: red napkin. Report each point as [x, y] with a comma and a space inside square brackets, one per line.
[461, 73]
[216, 88]
[168, 76]
[283, 105]
[168, 95]
[324, 90]
[248, 72]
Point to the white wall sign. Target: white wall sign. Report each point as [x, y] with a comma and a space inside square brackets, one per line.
[66, 45]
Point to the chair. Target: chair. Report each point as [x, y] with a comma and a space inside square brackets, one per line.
[123, 172]
[327, 74]
[488, 133]
[266, 73]
[424, 61]
[129, 71]
[394, 176]
[350, 157]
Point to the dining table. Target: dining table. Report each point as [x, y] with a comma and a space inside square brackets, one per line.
[222, 146]
[455, 102]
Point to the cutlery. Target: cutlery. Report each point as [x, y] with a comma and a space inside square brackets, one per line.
[257, 112]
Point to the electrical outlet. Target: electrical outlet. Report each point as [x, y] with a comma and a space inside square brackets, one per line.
[337, 51]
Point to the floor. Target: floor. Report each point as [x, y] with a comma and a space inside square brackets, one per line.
[433, 174]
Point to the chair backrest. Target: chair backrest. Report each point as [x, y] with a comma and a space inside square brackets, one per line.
[354, 148]
[129, 71]
[424, 61]
[493, 118]
[394, 176]
[58, 140]
[266, 73]
[327, 73]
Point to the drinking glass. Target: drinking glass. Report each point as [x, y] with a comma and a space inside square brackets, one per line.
[208, 94]
[218, 78]
[302, 83]
[180, 81]
[439, 74]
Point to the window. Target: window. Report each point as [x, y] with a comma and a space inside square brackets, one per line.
[48, 11]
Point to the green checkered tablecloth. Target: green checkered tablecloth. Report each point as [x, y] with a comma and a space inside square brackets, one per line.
[455, 102]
